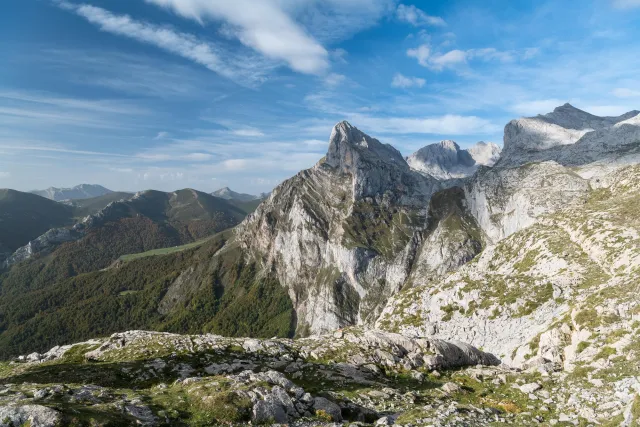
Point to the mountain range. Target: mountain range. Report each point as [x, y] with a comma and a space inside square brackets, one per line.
[82, 191]
[386, 271]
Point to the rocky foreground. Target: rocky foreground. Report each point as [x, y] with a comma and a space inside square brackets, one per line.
[351, 377]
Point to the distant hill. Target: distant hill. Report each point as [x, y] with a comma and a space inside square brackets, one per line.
[25, 216]
[85, 207]
[82, 191]
[147, 221]
[228, 194]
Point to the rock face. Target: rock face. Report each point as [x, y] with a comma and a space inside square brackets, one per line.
[82, 191]
[445, 160]
[343, 236]
[569, 136]
[31, 415]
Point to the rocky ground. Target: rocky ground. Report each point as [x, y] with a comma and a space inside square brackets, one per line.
[350, 377]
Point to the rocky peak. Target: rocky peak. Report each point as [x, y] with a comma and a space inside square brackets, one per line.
[445, 160]
[569, 136]
[377, 169]
[349, 148]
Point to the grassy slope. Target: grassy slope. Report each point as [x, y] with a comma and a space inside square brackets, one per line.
[221, 295]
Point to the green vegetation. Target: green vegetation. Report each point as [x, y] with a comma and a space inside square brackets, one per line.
[222, 294]
[84, 207]
[582, 345]
[379, 228]
[25, 216]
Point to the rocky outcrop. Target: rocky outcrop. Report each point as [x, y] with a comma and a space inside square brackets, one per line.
[45, 244]
[506, 200]
[569, 136]
[31, 415]
[445, 160]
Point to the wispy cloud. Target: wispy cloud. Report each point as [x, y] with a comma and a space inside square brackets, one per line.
[456, 57]
[205, 53]
[417, 17]
[5, 174]
[250, 132]
[262, 26]
[334, 79]
[406, 82]
[623, 92]
[440, 125]
[626, 4]
[161, 135]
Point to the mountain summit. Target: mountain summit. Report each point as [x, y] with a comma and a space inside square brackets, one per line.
[228, 194]
[445, 160]
[569, 136]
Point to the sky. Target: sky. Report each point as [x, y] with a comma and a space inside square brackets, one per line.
[170, 94]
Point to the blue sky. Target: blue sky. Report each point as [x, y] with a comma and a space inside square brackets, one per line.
[168, 94]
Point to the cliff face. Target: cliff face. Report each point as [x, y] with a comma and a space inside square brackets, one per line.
[342, 236]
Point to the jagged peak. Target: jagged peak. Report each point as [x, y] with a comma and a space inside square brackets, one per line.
[348, 142]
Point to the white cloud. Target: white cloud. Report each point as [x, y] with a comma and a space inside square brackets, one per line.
[339, 55]
[5, 174]
[198, 157]
[261, 25]
[421, 53]
[161, 135]
[626, 4]
[250, 132]
[406, 82]
[186, 45]
[623, 92]
[455, 58]
[449, 59]
[441, 125]
[334, 79]
[417, 17]
[532, 108]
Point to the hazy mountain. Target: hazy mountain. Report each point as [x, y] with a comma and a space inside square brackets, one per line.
[25, 216]
[84, 207]
[82, 191]
[445, 160]
[228, 194]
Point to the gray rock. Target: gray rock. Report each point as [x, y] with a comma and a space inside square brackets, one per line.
[530, 388]
[268, 411]
[330, 408]
[33, 415]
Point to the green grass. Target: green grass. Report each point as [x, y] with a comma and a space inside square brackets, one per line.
[165, 251]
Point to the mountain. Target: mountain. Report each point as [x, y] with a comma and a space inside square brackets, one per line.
[523, 277]
[147, 221]
[25, 216]
[228, 194]
[82, 191]
[445, 160]
[571, 137]
[93, 205]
